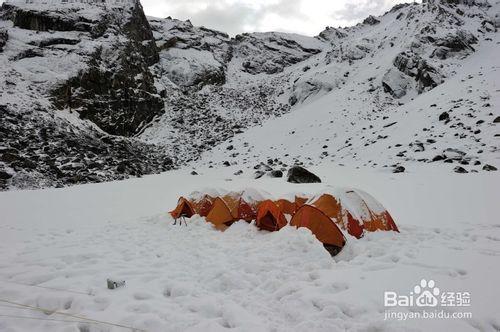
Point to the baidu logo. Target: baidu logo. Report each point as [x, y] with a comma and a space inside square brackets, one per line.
[427, 294]
[426, 301]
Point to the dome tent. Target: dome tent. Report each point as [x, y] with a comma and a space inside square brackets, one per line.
[325, 230]
[285, 206]
[183, 209]
[269, 217]
[354, 210]
[220, 214]
[202, 204]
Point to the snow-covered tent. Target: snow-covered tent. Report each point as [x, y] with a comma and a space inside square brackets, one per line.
[354, 210]
[325, 230]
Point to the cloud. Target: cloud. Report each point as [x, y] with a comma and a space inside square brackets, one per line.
[355, 12]
[232, 18]
[307, 17]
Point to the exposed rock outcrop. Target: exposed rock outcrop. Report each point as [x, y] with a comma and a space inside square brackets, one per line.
[297, 174]
[117, 90]
[271, 52]
[191, 57]
[395, 83]
[426, 76]
[371, 20]
[4, 36]
[54, 152]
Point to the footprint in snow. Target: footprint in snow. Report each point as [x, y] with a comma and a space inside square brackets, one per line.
[140, 296]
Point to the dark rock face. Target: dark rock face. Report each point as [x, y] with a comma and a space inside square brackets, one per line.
[258, 174]
[497, 120]
[45, 21]
[4, 36]
[55, 153]
[331, 33]
[398, 169]
[458, 41]
[444, 116]
[4, 175]
[440, 53]
[426, 76]
[371, 20]
[269, 54]
[174, 37]
[460, 169]
[459, 2]
[298, 174]
[276, 173]
[489, 168]
[119, 97]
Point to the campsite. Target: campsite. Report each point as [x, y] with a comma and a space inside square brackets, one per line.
[197, 277]
[353, 210]
[249, 165]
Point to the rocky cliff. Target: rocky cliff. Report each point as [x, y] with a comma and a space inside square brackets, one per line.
[76, 81]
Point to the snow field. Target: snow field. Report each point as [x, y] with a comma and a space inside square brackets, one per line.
[195, 278]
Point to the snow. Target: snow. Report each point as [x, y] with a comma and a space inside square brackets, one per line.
[197, 279]
[184, 67]
[350, 127]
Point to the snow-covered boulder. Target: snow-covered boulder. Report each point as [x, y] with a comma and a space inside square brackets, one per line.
[332, 34]
[271, 52]
[191, 56]
[426, 76]
[298, 174]
[192, 67]
[396, 83]
[371, 20]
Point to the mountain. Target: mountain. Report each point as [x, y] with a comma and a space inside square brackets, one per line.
[97, 92]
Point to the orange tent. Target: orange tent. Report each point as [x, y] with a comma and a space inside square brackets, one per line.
[355, 211]
[331, 207]
[368, 212]
[285, 206]
[239, 208]
[269, 217]
[299, 201]
[220, 214]
[325, 230]
[202, 205]
[183, 209]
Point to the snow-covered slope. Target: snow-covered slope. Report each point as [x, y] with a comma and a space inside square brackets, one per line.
[100, 92]
[217, 87]
[347, 112]
[345, 127]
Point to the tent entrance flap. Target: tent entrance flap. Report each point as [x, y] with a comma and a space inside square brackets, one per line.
[268, 222]
[269, 217]
[183, 209]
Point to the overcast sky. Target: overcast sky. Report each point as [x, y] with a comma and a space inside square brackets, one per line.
[307, 17]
